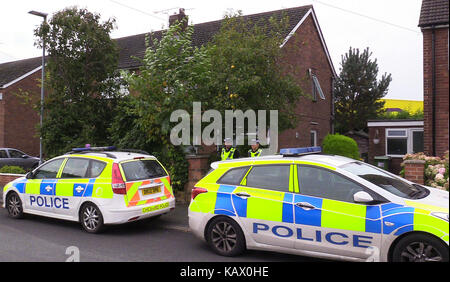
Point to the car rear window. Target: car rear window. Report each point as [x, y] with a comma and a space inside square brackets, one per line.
[142, 169]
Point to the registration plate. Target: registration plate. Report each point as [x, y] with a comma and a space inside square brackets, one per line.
[149, 191]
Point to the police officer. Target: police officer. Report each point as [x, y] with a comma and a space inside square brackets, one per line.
[255, 151]
[229, 152]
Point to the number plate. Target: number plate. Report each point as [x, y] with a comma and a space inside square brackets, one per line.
[152, 190]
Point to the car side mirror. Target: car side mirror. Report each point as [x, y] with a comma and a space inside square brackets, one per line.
[362, 197]
[24, 156]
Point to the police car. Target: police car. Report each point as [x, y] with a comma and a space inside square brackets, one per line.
[307, 203]
[94, 186]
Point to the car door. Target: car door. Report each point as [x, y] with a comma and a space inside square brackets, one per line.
[40, 188]
[328, 220]
[16, 158]
[72, 185]
[264, 204]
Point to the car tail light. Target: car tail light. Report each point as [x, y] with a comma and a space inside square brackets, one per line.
[118, 185]
[196, 191]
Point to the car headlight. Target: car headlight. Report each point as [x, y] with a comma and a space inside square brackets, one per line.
[441, 215]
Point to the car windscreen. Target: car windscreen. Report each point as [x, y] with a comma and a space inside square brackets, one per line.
[142, 169]
[394, 185]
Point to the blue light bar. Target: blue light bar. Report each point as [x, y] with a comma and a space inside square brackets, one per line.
[109, 148]
[300, 151]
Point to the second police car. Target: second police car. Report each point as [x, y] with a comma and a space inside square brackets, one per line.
[301, 202]
[95, 186]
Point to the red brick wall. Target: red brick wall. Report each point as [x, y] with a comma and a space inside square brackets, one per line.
[18, 121]
[304, 51]
[442, 90]
[5, 178]
[415, 171]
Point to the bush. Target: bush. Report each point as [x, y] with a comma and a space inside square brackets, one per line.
[336, 144]
[436, 169]
[12, 169]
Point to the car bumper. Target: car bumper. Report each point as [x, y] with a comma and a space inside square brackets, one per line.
[123, 215]
[198, 222]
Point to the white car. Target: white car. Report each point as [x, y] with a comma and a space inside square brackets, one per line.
[93, 186]
[319, 205]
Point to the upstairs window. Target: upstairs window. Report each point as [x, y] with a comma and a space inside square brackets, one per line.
[316, 88]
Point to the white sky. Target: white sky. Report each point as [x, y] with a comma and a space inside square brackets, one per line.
[388, 28]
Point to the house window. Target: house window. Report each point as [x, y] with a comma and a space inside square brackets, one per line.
[316, 88]
[400, 142]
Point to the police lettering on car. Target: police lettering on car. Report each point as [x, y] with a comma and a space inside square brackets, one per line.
[303, 202]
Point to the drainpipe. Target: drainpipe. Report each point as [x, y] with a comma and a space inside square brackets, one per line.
[433, 91]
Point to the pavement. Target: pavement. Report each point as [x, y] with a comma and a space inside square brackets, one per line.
[176, 219]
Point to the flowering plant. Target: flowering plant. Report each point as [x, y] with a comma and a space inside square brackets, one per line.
[436, 169]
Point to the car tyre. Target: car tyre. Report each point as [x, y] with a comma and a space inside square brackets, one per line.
[420, 248]
[14, 205]
[225, 237]
[91, 218]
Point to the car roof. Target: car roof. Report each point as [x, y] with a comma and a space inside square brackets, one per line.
[116, 156]
[329, 160]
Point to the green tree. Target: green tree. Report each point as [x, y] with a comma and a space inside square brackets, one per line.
[248, 70]
[357, 91]
[173, 74]
[81, 82]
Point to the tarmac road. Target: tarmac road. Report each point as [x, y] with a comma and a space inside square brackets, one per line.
[165, 239]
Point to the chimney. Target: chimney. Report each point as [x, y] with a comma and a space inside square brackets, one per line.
[178, 18]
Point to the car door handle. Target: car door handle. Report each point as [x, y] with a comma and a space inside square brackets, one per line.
[305, 206]
[243, 195]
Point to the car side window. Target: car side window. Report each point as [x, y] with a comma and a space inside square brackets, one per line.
[273, 177]
[75, 168]
[323, 183]
[48, 170]
[233, 176]
[16, 154]
[3, 154]
[95, 168]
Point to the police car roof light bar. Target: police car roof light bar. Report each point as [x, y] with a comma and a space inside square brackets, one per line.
[108, 148]
[300, 151]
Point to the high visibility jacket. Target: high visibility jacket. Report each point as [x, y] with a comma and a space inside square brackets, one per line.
[227, 155]
[254, 154]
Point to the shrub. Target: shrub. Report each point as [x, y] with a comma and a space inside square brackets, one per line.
[436, 169]
[336, 144]
[12, 169]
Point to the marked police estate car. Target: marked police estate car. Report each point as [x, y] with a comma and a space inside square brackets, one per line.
[94, 186]
[306, 203]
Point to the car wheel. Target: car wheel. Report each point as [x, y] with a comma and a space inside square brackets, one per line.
[14, 205]
[420, 248]
[225, 237]
[91, 218]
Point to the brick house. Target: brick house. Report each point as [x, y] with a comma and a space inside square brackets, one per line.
[312, 59]
[18, 121]
[434, 24]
